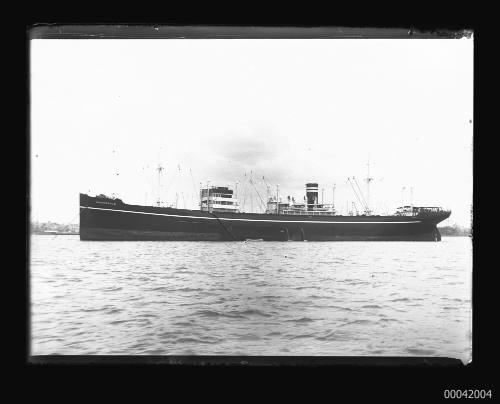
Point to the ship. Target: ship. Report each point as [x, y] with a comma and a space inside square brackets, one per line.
[219, 218]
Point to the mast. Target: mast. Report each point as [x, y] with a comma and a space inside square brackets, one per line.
[277, 199]
[160, 170]
[368, 180]
[208, 196]
[251, 194]
[333, 198]
[201, 196]
[116, 174]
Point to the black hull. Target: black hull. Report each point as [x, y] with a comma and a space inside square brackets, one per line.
[119, 222]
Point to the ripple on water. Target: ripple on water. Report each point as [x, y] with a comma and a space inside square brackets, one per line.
[249, 337]
[342, 308]
[159, 289]
[334, 336]
[301, 320]
[301, 336]
[90, 310]
[215, 314]
[420, 351]
[400, 299]
[270, 297]
[116, 322]
[357, 322]
[188, 289]
[388, 320]
[253, 312]
[194, 340]
[255, 298]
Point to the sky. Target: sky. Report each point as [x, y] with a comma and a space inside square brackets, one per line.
[106, 113]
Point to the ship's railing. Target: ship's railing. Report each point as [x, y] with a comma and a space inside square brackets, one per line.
[430, 209]
[307, 212]
[416, 210]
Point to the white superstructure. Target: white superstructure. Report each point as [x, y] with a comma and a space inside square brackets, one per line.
[218, 199]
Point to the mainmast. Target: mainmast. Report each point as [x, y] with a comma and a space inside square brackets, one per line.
[160, 170]
[208, 196]
[368, 179]
[277, 198]
[333, 198]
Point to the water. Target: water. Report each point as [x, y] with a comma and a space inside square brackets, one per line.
[267, 298]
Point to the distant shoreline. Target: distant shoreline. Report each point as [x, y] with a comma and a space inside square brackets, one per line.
[76, 234]
[454, 231]
[51, 228]
[50, 233]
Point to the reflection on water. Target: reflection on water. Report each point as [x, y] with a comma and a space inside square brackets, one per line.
[272, 298]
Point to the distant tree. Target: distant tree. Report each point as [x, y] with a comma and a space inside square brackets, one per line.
[454, 230]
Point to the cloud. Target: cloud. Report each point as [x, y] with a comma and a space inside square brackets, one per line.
[245, 149]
